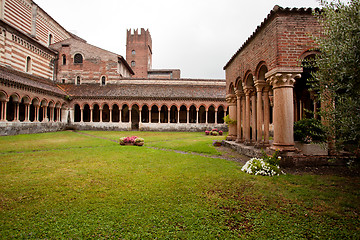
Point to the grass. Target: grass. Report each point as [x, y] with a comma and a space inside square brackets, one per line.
[68, 185]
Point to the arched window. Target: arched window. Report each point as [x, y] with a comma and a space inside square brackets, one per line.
[50, 39]
[28, 64]
[103, 81]
[63, 59]
[78, 58]
[133, 63]
[78, 80]
[133, 52]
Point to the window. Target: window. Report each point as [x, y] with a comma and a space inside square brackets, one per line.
[133, 63]
[133, 52]
[63, 80]
[78, 80]
[103, 79]
[28, 64]
[78, 58]
[50, 39]
[63, 59]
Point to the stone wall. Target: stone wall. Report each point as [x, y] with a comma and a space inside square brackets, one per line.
[180, 127]
[14, 128]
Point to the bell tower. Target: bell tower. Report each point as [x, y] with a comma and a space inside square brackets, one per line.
[139, 52]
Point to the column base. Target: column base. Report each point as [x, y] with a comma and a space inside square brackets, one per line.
[231, 138]
[283, 147]
[239, 140]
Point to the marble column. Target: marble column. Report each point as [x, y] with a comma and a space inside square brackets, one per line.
[266, 116]
[110, 114]
[247, 91]
[100, 112]
[231, 100]
[239, 95]
[283, 84]
[3, 111]
[188, 115]
[197, 115]
[91, 115]
[259, 84]
[81, 114]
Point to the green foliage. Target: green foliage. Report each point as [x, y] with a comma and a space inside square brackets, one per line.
[337, 79]
[229, 121]
[308, 130]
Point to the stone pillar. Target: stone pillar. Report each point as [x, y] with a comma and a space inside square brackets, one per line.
[81, 114]
[169, 116]
[206, 116]
[266, 116]
[51, 114]
[231, 100]
[216, 116]
[27, 108]
[239, 94]
[188, 115]
[197, 115]
[36, 114]
[259, 84]
[247, 91]
[120, 112]
[178, 117]
[16, 111]
[243, 113]
[159, 115]
[100, 111]
[283, 84]
[91, 115]
[45, 119]
[140, 115]
[130, 110]
[110, 113]
[253, 117]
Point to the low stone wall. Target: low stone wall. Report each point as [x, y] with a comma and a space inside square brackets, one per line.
[14, 128]
[180, 127]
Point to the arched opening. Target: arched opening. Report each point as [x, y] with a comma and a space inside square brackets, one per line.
[22, 109]
[154, 114]
[77, 113]
[78, 81]
[173, 114]
[103, 81]
[135, 117]
[220, 115]
[211, 114]
[50, 39]
[78, 58]
[164, 114]
[115, 113]
[11, 108]
[34, 108]
[28, 65]
[96, 113]
[192, 114]
[183, 114]
[63, 59]
[202, 114]
[125, 113]
[145, 114]
[105, 113]
[86, 113]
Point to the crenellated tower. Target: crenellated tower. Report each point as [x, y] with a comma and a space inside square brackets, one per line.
[139, 51]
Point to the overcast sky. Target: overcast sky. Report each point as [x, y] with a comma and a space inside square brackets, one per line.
[196, 36]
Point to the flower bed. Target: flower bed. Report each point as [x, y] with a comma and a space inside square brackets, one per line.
[133, 140]
[214, 132]
[265, 166]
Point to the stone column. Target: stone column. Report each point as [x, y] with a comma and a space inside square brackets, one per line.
[140, 115]
[247, 91]
[45, 119]
[243, 113]
[81, 114]
[239, 94]
[206, 116]
[27, 107]
[120, 119]
[178, 117]
[283, 84]
[100, 112]
[266, 116]
[216, 116]
[36, 114]
[130, 110]
[231, 100]
[197, 115]
[16, 111]
[259, 84]
[110, 112]
[169, 116]
[253, 117]
[188, 115]
[159, 115]
[91, 115]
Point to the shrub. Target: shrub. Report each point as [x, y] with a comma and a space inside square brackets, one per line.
[228, 120]
[207, 132]
[214, 133]
[308, 130]
[220, 132]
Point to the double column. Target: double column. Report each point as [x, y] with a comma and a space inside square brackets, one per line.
[283, 84]
[231, 100]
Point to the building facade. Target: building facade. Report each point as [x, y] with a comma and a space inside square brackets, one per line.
[51, 79]
[266, 82]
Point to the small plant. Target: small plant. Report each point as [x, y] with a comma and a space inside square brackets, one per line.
[217, 143]
[207, 132]
[129, 140]
[229, 121]
[268, 165]
[139, 140]
[214, 133]
[220, 133]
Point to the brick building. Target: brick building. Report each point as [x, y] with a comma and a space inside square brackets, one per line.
[266, 83]
[50, 79]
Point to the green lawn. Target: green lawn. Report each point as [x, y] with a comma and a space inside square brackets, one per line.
[68, 185]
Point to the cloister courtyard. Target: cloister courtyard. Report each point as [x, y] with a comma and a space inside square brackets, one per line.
[82, 185]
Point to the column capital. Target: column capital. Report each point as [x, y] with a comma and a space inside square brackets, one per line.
[248, 90]
[279, 80]
[239, 93]
[231, 99]
[260, 85]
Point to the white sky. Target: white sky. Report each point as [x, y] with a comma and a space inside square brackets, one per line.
[196, 36]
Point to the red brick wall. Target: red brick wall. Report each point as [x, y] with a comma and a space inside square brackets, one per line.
[279, 42]
[142, 44]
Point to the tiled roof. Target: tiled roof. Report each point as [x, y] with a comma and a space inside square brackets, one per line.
[28, 80]
[147, 91]
[273, 12]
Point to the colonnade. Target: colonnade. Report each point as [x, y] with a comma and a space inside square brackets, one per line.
[250, 106]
